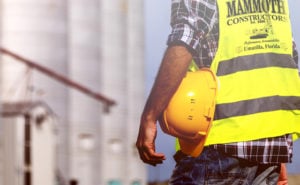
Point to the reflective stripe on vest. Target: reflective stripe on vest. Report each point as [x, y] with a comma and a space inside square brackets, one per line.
[259, 94]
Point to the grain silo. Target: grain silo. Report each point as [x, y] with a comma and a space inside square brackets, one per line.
[98, 45]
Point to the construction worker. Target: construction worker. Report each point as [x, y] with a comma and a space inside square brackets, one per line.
[248, 45]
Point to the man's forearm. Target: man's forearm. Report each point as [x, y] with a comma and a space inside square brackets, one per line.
[173, 68]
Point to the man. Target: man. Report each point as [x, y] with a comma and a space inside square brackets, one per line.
[249, 46]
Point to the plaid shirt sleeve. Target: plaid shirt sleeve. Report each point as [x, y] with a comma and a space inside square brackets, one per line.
[195, 25]
[191, 21]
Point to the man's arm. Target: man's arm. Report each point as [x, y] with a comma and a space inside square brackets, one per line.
[172, 70]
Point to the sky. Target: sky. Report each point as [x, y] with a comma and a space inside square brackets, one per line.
[157, 29]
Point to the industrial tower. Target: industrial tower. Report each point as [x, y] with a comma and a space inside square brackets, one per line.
[100, 45]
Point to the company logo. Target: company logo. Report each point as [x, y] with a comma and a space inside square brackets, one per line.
[255, 11]
[242, 7]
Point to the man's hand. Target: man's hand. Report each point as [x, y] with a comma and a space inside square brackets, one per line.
[146, 143]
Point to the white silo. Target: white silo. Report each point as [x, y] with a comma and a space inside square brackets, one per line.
[113, 47]
[36, 30]
[100, 45]
[84, 112]
[135, 87]
[122, 62]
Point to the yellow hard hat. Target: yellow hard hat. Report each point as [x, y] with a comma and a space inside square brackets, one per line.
[190, 112]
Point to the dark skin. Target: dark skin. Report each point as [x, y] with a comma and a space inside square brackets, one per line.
[173, 68]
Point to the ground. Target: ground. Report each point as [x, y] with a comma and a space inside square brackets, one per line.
[294, 179]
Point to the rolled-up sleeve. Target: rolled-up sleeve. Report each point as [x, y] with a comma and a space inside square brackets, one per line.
[191, 20]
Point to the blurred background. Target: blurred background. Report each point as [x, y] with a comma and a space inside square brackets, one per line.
[74, 78]
[72, 90]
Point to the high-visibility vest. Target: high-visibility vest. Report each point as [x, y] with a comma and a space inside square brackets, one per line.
[259, 93]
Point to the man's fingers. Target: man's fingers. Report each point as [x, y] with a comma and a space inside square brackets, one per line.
[150, 157]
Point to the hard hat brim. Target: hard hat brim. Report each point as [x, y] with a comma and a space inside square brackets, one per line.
[192, 148]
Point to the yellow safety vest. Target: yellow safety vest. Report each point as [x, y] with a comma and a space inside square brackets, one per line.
[259, 93]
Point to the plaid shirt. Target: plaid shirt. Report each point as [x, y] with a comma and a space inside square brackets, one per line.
[195, 25]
